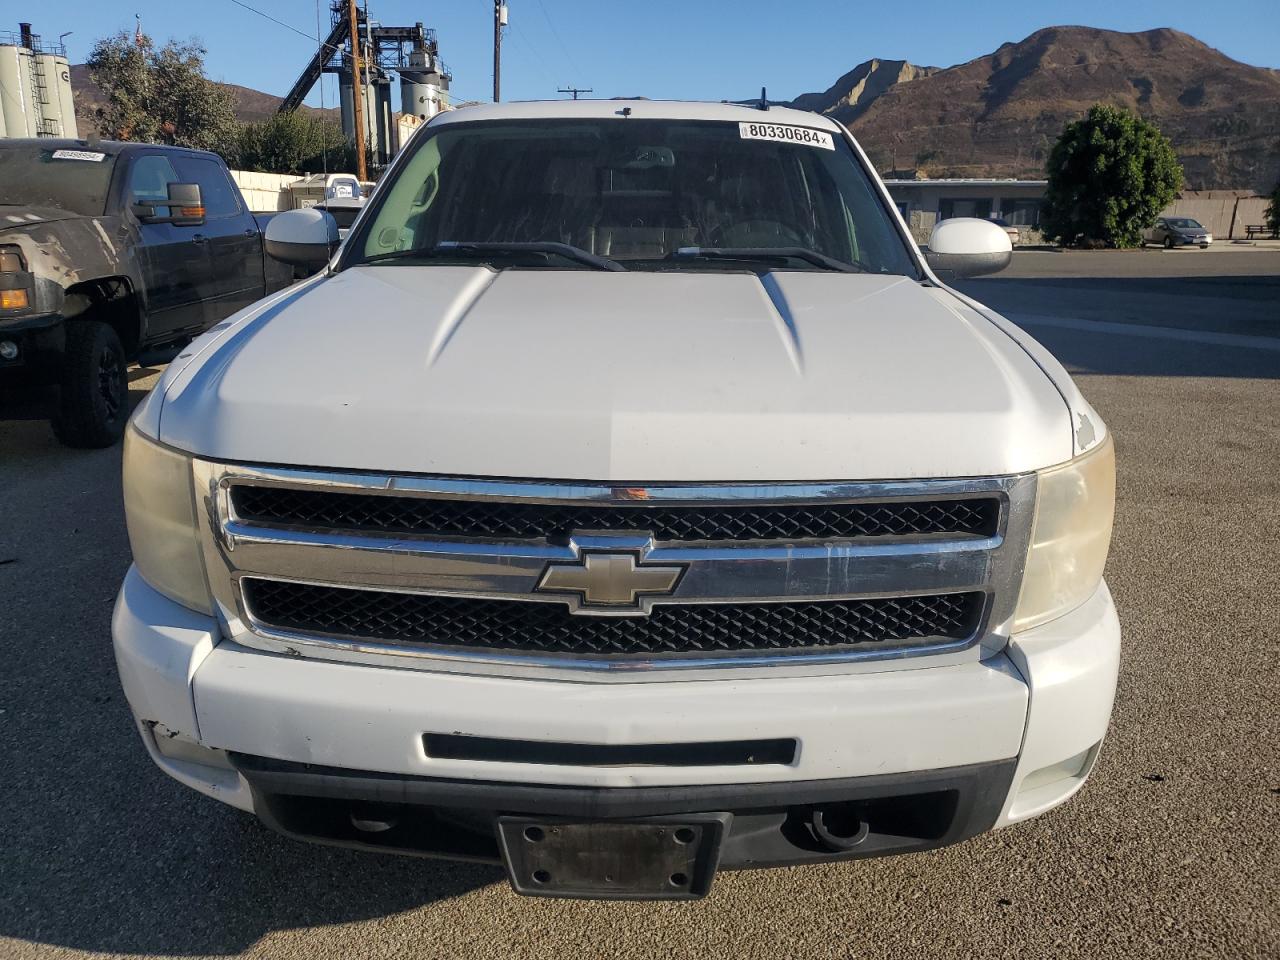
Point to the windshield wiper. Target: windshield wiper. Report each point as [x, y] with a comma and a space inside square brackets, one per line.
[466, 248]
[766, 253]
[566, 250]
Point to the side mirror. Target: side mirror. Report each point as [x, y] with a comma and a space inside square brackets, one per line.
[968, 247]
[185, 205]
[305, 238]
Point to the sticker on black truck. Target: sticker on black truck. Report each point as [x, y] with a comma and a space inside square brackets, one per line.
[91, 155]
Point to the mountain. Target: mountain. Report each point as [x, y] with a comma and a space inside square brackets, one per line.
[999, 115]
[250, 105]
[848, 98]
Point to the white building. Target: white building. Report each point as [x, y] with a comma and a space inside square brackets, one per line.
[924, 202]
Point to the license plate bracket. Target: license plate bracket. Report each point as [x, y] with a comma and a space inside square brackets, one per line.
[650, 859]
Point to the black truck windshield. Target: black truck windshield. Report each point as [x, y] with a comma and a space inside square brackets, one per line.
[68, 178]
[646, 194]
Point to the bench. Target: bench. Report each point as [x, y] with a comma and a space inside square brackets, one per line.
[1258, 230]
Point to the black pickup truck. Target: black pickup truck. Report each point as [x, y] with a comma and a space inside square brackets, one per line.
[113, 252]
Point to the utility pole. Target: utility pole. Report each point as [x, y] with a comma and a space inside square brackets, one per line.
[357, 90]
[575, 91]
[499, 21]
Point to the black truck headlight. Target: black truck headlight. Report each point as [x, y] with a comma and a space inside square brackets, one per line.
[15, 290]
[11, 260]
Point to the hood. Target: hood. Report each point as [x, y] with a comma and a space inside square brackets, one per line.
[16, 215]
[636, 376]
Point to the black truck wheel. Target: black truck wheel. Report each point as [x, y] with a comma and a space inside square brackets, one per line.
[94, 402]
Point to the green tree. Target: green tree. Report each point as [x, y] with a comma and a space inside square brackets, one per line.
[161, 95]
[1273, 212]
[293, 143]
[1110, 175]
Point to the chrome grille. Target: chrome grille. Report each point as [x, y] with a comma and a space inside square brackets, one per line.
[327, 510]
[447, 573]
[672, 629]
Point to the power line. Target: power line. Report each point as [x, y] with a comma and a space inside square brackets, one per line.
[559, 39]
[330, 46]
[287, 26]
[541, 63]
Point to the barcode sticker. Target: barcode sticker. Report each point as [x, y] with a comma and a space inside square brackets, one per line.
[782, 133]
[79, 155]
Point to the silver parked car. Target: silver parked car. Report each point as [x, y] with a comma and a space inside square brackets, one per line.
[1179, 232]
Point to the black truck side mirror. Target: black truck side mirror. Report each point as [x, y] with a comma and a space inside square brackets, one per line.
[185, 205]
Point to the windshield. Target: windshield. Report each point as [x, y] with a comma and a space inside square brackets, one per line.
[641, 193]
[69, 179]
[1184, 223]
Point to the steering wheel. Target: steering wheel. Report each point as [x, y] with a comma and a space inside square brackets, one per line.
[780, 235]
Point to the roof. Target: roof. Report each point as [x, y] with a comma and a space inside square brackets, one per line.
[109, 147]
[640, 109]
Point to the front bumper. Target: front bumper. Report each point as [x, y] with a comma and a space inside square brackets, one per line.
[39, 339]
[300, 741]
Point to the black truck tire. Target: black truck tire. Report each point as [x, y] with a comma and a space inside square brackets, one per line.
[94, 403]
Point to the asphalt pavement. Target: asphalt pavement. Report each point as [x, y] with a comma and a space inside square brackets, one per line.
[1170, 851]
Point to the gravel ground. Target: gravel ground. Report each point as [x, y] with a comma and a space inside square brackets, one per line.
[1170, 851]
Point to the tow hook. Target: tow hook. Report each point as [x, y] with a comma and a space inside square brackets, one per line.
[839, 828]
[372, 818]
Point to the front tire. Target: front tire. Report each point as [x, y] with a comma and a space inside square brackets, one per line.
[93, 406]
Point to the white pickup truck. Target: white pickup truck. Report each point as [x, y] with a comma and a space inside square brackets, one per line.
[628, 498]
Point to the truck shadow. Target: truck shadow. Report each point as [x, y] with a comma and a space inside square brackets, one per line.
[100, 850]
[166, 875]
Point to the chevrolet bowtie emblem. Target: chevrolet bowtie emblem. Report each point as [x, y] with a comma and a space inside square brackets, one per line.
[609, 580]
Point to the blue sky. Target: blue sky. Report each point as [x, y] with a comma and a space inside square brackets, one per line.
[687, 49]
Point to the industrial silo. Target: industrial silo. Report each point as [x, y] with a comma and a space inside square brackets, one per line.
[20, 117]
[35, 88]
[59, 108]
[423, 86]
[370, 114]
[383, 124]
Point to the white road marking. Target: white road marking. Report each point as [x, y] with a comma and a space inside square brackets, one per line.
[1148, 332]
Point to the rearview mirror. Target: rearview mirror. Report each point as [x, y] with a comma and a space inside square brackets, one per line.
[968, 247]
[305, 238]
[184, 203]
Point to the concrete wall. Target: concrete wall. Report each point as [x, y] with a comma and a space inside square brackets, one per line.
[264, 192]
[1216, 209]
[1250, 212]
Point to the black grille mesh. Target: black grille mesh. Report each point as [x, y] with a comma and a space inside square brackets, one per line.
[527, 521]
[670, 630]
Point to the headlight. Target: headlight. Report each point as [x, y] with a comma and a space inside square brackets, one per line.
[11, 260]
[1075, 503]
[159, 507]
